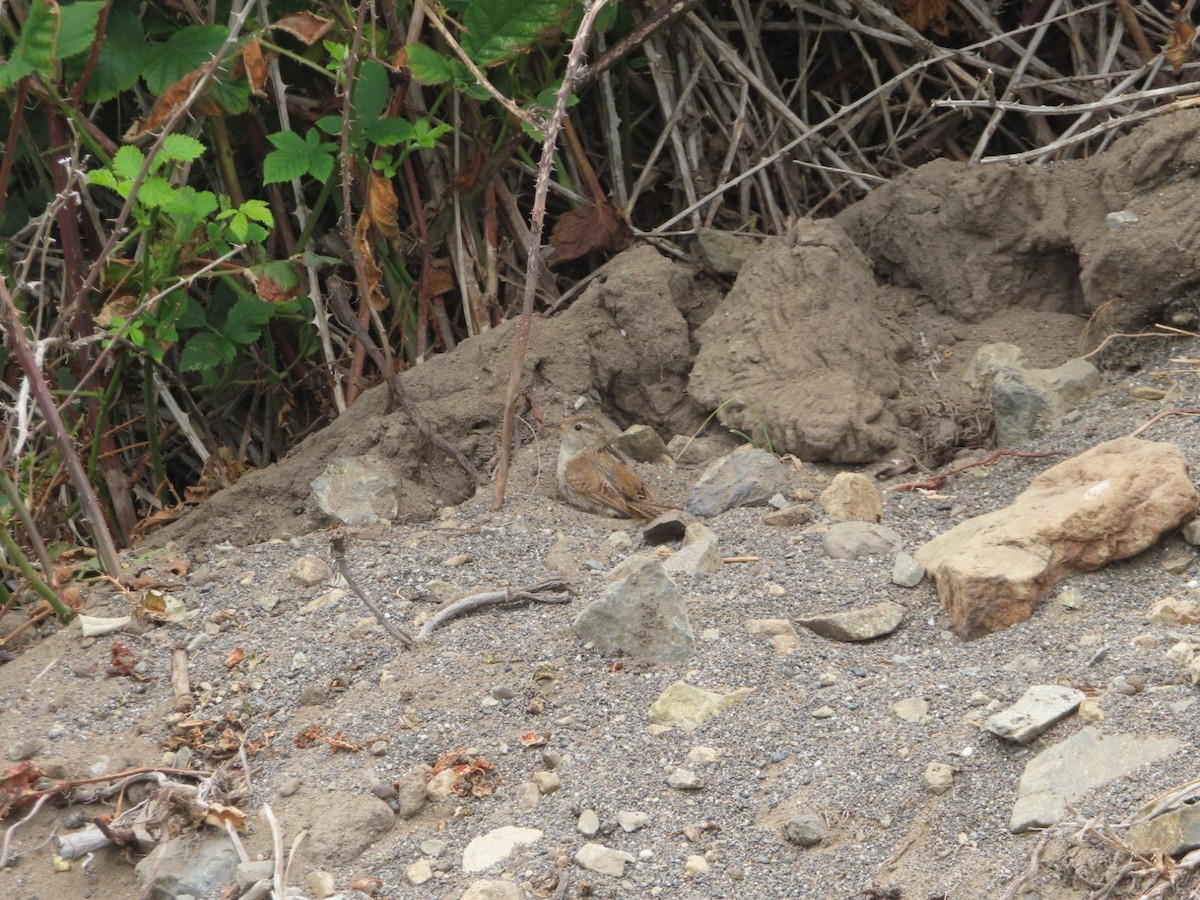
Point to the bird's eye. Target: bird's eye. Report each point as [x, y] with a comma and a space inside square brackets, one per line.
[579, 426]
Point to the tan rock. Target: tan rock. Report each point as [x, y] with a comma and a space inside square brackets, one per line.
[1112, 502]
[780, 632]
[852, 497]
[1175, 611]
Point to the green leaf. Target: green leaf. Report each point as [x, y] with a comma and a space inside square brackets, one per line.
[259, 211]
[191, 314]
[427, 66]
[104, 178]
[186, 49]
[13, 71]
[78, 29]
[294, 157]
[497, 30]
[243, 324]
[389, 132]
[425, 135]
[206, 351]
[155, 191]
[370, 91]
[128, 162]
[190, 205]
[39, 37]
[123, 55]
[182, 148]
[330, 124]
[233, 96]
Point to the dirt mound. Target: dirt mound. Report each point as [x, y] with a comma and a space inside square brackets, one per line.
[625, 343]
[979, 240]
[833, 353]
[802, 352]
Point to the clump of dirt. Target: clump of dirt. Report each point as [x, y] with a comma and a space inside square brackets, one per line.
[820, 349]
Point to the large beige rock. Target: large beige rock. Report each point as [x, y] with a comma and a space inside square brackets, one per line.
[1112, 502]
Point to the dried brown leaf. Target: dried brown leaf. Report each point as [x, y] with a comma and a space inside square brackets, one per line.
[235, 657]
[362, 237]
[16, 785]
[172, 98]
[255, 65]
[305, 27]
[589, 229]
[1179, 42]
[381, 204]
[925, 14]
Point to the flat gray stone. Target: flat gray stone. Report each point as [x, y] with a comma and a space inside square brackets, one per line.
[604, 860]
[1039, 707]
[852, 540]
[1068, 770]
[862, 624]
[745, 477]
[805, 830]
[488, 849]
[185, 865]
[1172, 833]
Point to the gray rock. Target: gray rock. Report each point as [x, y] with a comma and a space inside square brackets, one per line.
[337, 840]
[1023, 398]
[642, 615]
[189, 865]
[1039, 707]
[641, 443]
[686, 707]
[939, 778]
[699, 553]
[603, 860]
[493, 890]
[746, 477]
[1191, 532]
[805, 830]
[684, 780]
[254, 871]
[488, 849]
[632, 820]
[852, 497]
[1065, 772]
[309, 571]
[1171, 833]
[862, 624]
[357, 490]
[906, 571]
[589, 823]
[852, 540]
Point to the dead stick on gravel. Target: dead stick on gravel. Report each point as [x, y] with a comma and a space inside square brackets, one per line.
[1034, 864]
[181, 684]
[932, 484]
[338, 546]
[493, 598]
[1165, 414]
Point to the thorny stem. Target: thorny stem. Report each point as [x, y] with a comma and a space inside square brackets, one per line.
[533, 259]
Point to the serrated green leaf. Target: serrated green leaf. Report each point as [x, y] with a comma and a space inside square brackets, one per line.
[389, 132]
[102, 177]
[294, 157]
[238, 226]
[426, 135]
[182, 147]
[370, 92]
[128, 162]
[78, 29]
[232, 95]
[259, 211]
[243, 324]
[498, 30]
[191, 314]
[155, 191]
[330, 124]
[188, 202]
[39, 36]
[206, 351]
[123, 55]
[13, 71]
[427, 66]
[186, 49]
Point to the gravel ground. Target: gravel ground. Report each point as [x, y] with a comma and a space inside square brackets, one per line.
[487, 680]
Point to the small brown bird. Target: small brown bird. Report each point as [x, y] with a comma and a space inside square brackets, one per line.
[594, 477]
